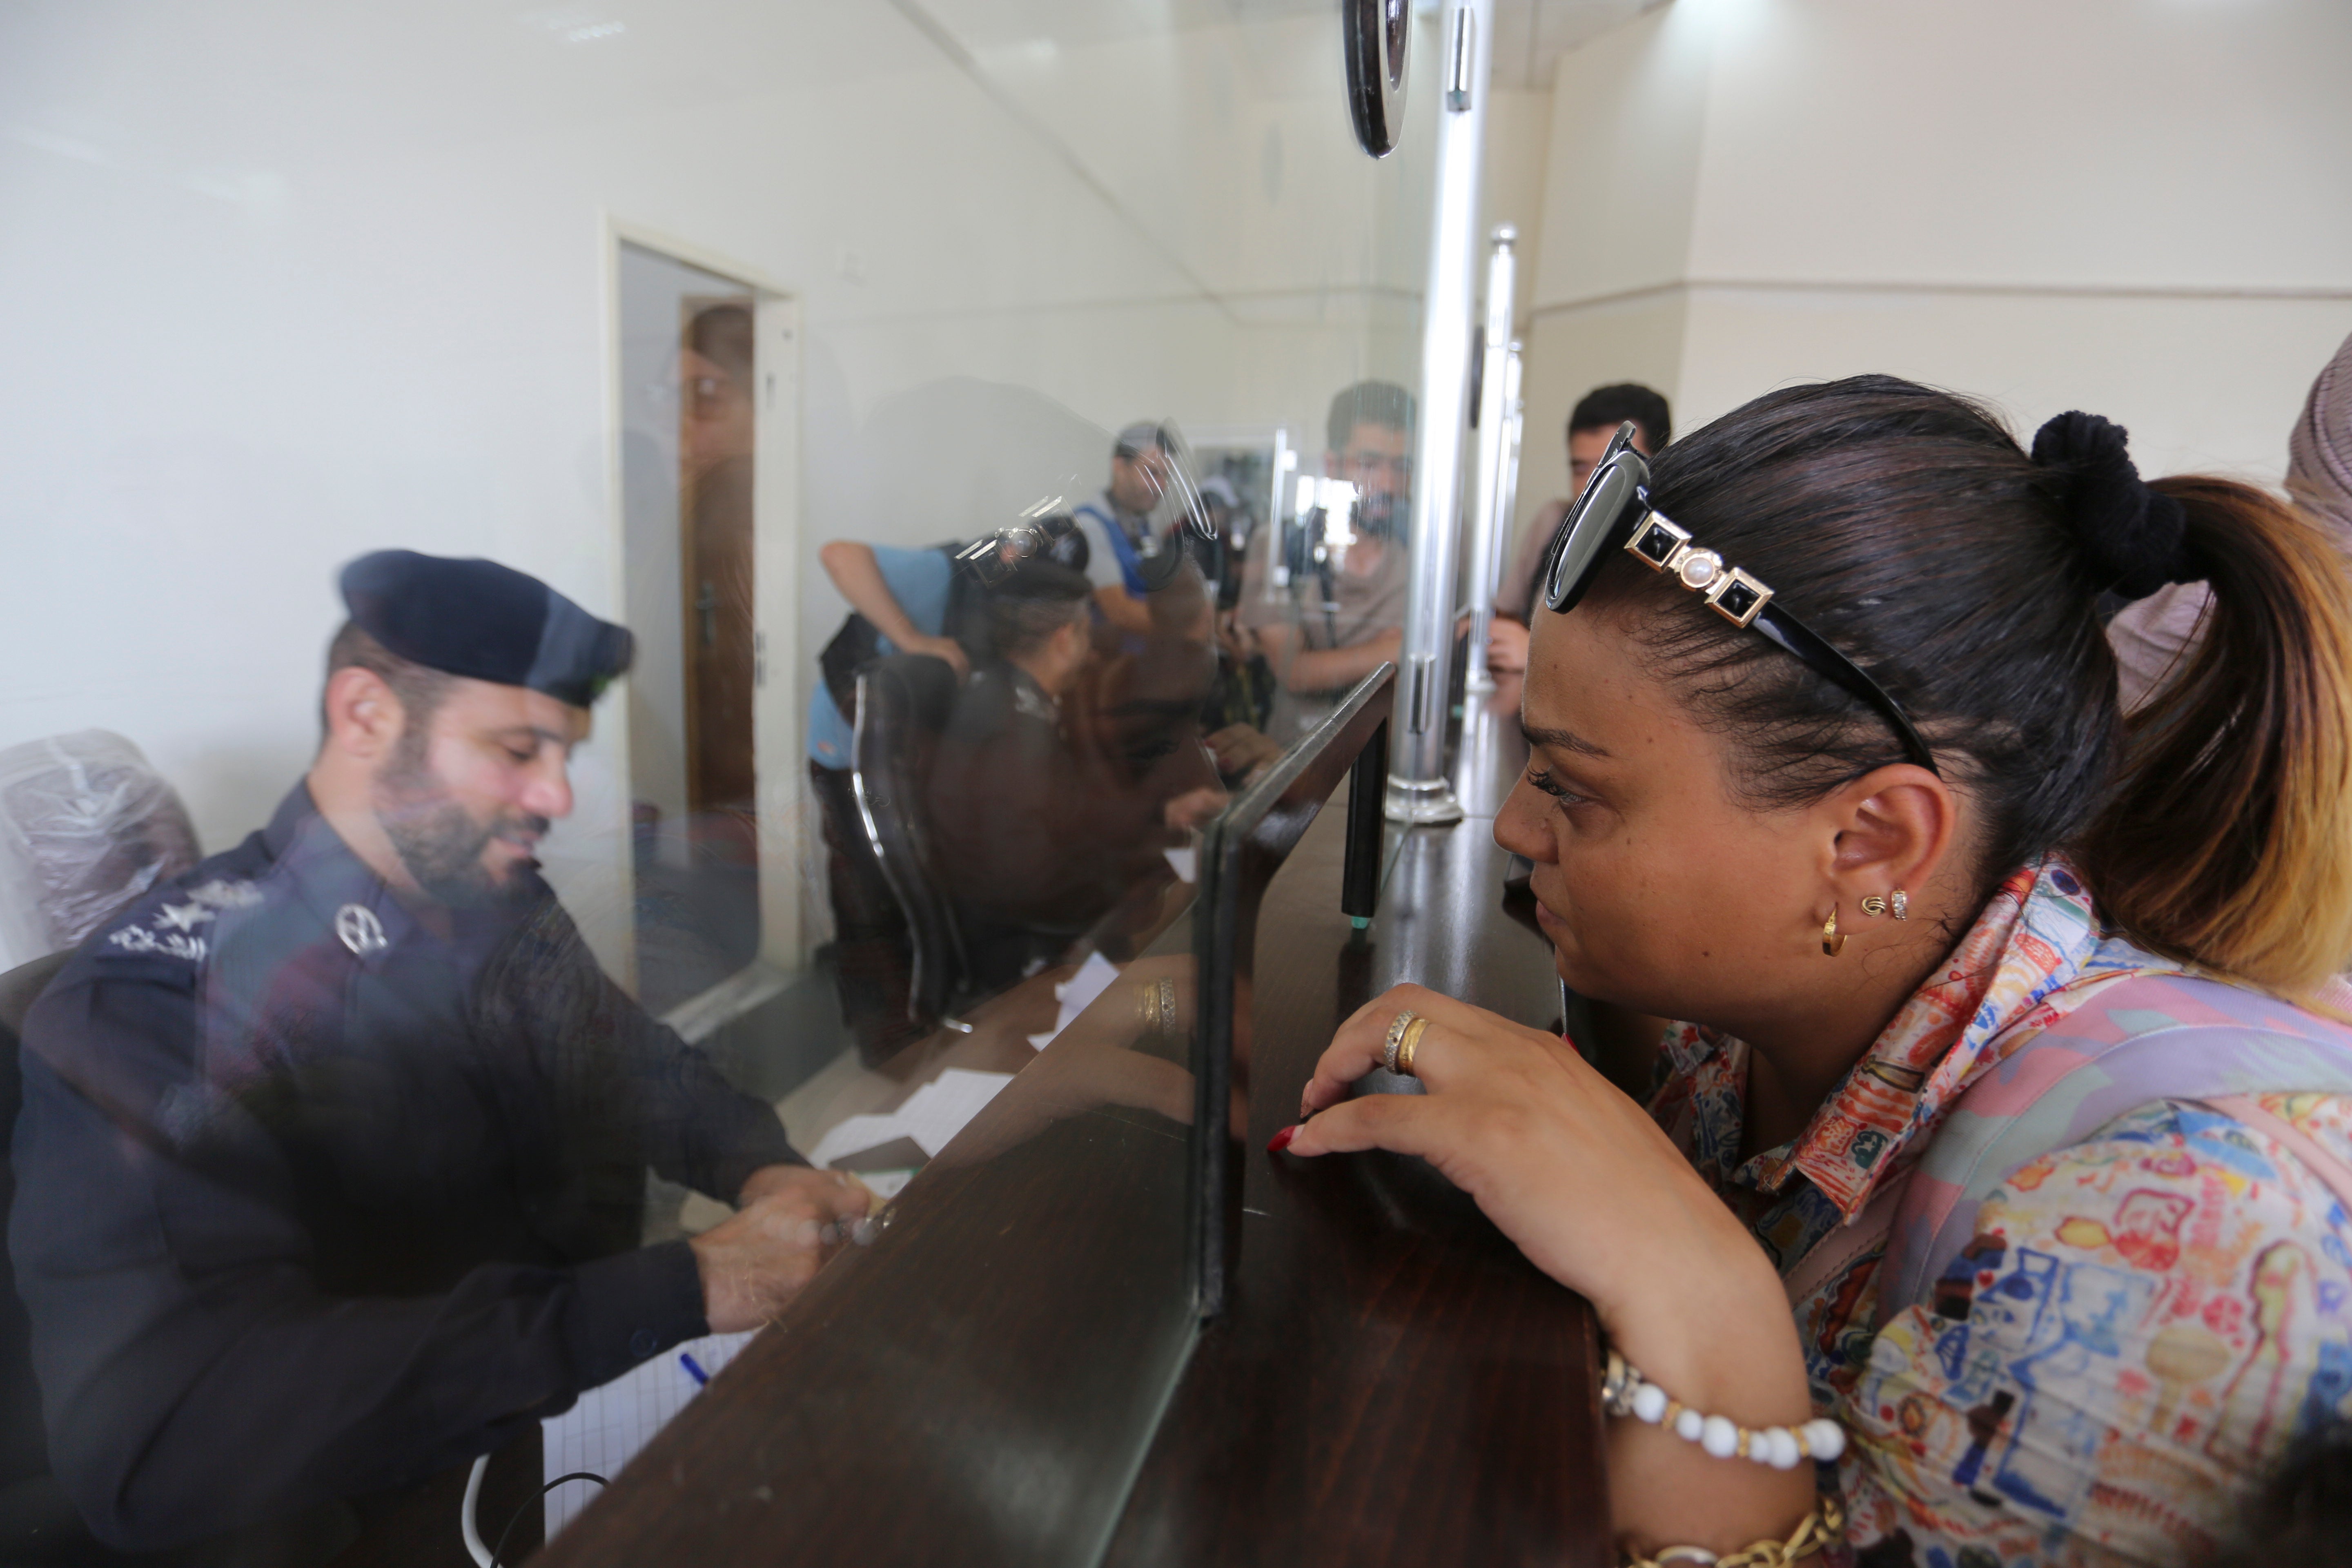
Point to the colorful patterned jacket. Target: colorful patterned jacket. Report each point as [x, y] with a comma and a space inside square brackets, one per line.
[2112, 1341]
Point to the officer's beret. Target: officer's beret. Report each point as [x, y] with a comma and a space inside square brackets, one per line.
[486, 622]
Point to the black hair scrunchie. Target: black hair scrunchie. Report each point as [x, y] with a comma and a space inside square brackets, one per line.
[2134, 537]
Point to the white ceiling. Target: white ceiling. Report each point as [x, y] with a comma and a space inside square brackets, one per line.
[1530, 35]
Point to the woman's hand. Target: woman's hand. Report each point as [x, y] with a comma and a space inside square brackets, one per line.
[1243, 750]
[1574, 1172]
[1598, 1197]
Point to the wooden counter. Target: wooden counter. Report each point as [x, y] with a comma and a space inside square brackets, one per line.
[1393, 1383]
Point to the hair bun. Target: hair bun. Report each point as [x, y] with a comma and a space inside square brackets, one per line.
[2134, 537]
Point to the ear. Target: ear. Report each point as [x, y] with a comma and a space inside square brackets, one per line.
[364, 718]
[1895, 827]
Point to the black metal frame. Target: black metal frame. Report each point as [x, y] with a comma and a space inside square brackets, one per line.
[1377, 42]
[1240, 852]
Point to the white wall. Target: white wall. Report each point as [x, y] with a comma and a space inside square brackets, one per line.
[2141, 208]
[281, 283]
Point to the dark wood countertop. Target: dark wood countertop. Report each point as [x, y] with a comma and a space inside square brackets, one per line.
[1394, 1384]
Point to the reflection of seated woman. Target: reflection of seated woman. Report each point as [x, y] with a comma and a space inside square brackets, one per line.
[1044, 820]
[2152, 1297]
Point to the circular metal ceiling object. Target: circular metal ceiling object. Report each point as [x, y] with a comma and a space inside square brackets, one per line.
[1379, 36]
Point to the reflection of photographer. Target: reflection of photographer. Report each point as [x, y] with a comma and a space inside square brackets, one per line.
[1242, 700]
[1345, 612]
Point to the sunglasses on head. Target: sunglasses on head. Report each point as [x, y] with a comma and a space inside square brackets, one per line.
[1614, 513]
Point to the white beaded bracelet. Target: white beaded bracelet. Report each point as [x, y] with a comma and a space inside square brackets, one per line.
[1625, 1392]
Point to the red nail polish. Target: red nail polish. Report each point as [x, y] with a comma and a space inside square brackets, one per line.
[1281, 1141]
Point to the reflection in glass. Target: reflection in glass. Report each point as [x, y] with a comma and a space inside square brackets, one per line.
[734, 325]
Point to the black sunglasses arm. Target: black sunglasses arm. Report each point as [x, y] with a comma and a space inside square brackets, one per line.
[1797, 639]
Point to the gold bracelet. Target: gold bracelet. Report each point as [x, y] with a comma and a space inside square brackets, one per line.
[1821, 1527]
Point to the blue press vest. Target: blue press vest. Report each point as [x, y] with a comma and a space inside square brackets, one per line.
[1130, 565]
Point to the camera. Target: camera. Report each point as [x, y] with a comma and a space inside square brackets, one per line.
[993, 557]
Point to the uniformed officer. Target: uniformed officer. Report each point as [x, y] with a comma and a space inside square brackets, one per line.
[332, 1163]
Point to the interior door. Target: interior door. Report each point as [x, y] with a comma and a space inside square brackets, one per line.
[718, 461]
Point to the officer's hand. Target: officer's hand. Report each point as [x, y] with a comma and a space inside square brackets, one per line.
[792, 1220]
[833, 1189]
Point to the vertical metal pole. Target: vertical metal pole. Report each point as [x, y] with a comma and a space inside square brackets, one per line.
[1506, 494]
[1418, 791]
[1494, 406]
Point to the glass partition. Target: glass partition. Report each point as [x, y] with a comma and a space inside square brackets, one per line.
[458, 985]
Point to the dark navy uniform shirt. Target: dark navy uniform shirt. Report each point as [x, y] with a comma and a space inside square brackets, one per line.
[312, 1201]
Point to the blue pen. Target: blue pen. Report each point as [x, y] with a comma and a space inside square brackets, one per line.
[701, 1378]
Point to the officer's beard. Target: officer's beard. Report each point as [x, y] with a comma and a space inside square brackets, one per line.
[439, 840]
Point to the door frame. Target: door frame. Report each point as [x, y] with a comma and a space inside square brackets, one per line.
[778, 743]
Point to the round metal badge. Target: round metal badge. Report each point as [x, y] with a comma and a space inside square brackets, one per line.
[360, 929]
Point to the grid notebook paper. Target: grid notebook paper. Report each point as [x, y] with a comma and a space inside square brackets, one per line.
[604, 1431]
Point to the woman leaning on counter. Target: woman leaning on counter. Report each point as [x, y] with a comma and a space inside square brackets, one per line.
[1988, 1058]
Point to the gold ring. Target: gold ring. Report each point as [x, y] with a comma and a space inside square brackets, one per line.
[1155, 1008]
[1405, 1047]
[1395, 1041]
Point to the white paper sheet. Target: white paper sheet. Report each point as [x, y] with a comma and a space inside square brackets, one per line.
[1078, 993]
[604, 1431]
[932, 1116]
[886, 1185]
[855, 1135]
[936, 1113]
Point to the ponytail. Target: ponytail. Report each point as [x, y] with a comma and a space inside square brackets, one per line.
[2226, 840]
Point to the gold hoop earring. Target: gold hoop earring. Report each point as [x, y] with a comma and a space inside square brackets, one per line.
[1873, 905]
[1832, 944]
[1902, 904]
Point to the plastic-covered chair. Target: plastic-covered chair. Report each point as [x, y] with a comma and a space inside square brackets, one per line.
[85, 826]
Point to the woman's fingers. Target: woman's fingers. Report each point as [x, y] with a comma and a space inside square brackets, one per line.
[1401, 1123]
[1360, 1041]
[1457, 1036]
[1356, 1048]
